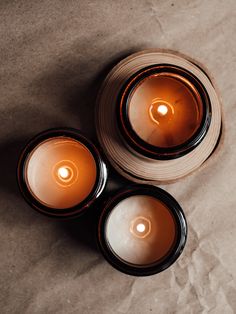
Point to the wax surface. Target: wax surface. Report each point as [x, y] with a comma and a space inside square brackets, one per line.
[165, 110]
[140, 230]
[60, 172]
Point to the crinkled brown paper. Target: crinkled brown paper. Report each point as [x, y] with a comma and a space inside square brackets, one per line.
[54, 55]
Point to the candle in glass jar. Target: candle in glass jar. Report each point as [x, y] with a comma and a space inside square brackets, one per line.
[60, 171]
[170, 107]
[142, 230]
[164, 110]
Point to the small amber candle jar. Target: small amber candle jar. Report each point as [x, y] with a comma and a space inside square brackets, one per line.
[60, 173]
[142, 230]
[163, 112]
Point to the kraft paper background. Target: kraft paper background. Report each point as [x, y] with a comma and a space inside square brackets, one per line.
[54, 56]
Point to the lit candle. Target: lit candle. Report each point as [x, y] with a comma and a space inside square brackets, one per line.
[60, 172]
[142, 230]
[164, 112]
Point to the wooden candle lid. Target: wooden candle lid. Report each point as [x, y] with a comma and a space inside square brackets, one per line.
[129, 163]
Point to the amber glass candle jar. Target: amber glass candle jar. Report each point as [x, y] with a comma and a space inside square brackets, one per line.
[60, 173]
[163, 112]
[142, 230]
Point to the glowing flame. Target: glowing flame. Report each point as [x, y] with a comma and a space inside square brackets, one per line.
[159, 110]
[63, 172]
[162, 109]
[140, 227]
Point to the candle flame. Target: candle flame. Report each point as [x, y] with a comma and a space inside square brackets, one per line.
[63, 172]
[140, 227]
[159, 110]
[162, 109]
